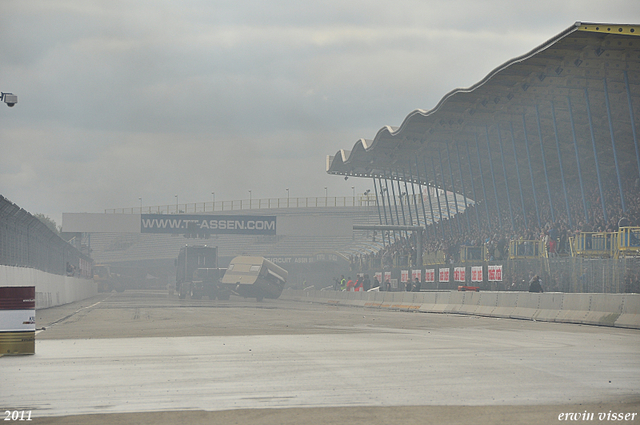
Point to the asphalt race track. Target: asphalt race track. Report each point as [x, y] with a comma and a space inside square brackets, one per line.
[149, 358]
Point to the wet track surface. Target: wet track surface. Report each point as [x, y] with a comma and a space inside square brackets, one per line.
[146, 351]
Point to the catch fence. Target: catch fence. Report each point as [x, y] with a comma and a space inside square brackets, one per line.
[27, 242]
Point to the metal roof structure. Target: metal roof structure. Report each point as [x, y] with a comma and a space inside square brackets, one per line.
[552, 126]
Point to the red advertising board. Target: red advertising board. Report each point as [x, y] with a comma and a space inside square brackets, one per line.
[416, 274]
[459, 274]
[430, 275]
[494, 273]
[404, 276]
[476, 274]
[443, 275]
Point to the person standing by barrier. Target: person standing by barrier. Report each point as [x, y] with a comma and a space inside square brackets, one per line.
[417, 285]
[366, 283]
[535, 285]
[350, 284]
[386, 286]
[358, 284]
[343, 283]
[408, 286]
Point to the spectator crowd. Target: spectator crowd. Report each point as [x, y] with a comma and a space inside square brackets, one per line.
[473, 228]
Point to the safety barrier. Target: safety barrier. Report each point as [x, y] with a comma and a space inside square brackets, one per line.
[17, 320]
[619, 310]
[520, 248]
[629, 241]
[51, 289]
[599, 244]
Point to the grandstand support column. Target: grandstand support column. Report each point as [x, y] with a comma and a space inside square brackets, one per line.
[506, 179]
[415, 201]
[544, 164]
[473, 187]
[375, 190]
[493, 175]
[453, 188]
[419, 247]
[386, 189]
[533, 184]
[444, 189]
[400, 201]
[575, 145]
[406, 191]
[426, 179]
[395, 201]
[515, 158]
[633, 122]
[453, 184]
[564, 184]
[484, 188]
[384, 208]
[424, 211]
[595, 154]
[464, 191]
[435, 185]
[613, 145]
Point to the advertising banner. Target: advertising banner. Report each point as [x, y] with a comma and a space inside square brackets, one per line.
[495, 273]
[476, 274]
[430, 275]
[444, 275]
[459, 274]
[404, 276]
[208, 224]
[416, 274]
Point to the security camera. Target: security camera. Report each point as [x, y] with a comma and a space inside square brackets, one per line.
[9, 98]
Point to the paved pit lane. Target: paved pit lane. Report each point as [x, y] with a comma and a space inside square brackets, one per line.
[144, 357]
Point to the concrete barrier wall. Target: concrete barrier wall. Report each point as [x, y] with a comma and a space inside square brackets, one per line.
[620, 310]
[51, 289]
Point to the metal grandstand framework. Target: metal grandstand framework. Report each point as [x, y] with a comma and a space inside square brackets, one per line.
[530, 142]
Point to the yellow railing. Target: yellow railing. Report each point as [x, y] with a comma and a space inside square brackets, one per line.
[628, 241]
[521, 248]
[595, 244]
[472, 253]
[435, 257]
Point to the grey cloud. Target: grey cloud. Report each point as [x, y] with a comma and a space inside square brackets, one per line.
[121, 100]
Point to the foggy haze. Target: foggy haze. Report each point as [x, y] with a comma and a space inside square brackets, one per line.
[119, 101]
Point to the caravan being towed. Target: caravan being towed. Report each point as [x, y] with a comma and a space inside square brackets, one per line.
[255, 277]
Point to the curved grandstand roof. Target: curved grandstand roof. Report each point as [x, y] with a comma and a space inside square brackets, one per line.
[552, 116]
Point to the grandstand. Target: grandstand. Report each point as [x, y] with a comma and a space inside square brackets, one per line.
[548, 136]
[547, 139]
[547, 147]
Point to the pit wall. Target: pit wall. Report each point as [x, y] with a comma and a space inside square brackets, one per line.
[51, 289]
[618, 310]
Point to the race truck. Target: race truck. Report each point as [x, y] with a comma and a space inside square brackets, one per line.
[255, 277]
[198, 274]
[106, 280]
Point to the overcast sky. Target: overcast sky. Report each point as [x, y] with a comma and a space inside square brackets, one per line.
[121, 100]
